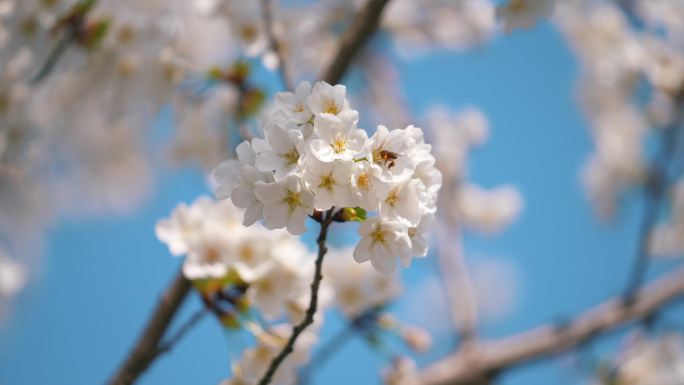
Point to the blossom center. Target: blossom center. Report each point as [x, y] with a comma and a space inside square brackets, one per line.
[299, 107]
[379, 236]
[212, 254]
[363, 181]
[247, 253]
[248, 33]
[330, 107]
[291, 157]
[327, 182]
[392, 197]
[412, 231]
[339, 144]
[350, 295]
[292, 200]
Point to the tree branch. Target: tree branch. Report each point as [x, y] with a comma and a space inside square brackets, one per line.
[479, 364]
[267, 15]
[146, 349]
[458, 285]
[182, 331]
[313, 303]
[656, 188]
[363, 27]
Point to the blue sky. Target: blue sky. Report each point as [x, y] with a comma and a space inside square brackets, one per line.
[101, 276]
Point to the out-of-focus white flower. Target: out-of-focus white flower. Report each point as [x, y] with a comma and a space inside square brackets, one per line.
[403, 371]
[656, 361]
[487, 210]
[357, 287]
[186, 222]
[13, 278]
[523, 13]
[254, 361]
[210, 252]
[454, 135]
[417, 26]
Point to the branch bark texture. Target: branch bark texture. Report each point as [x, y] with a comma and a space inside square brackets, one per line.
[480, 363]
[147, 348]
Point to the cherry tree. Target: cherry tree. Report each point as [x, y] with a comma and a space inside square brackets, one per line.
[84, 80]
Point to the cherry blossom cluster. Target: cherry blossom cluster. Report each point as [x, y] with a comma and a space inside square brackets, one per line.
[273, 264]
[315, 158]
[269, 272]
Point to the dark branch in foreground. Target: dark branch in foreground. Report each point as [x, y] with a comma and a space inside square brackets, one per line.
[480, 363]
[363, 27]
[313, 303]
[147, 348]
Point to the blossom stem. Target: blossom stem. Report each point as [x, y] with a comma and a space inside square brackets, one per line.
[313, 302]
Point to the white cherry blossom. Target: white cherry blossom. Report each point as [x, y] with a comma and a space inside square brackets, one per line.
[287, 203]
[338, 137]
[382, 242]
[328, 99]
[329, 182]
[294, 105]
[282, 151]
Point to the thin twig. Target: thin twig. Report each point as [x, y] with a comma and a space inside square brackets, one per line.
[184, 329]
[269, 26]
[313, 302]
[657, 184]
[146, 349]
[477, 365]
[363, 27]
[55, 54]
[458, 285]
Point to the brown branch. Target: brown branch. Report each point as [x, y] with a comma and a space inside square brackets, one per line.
[480, 363]
[458, 285]
[363, 27]
[146, 349]
[182, 331]
[656, 188]
[313, 302]
[267, 15]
